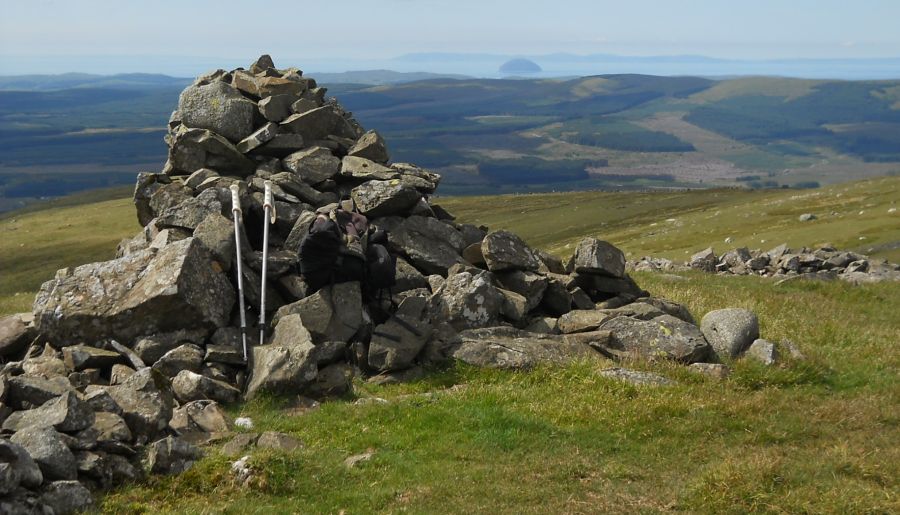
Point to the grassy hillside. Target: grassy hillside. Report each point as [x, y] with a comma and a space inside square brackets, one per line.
[812, 436]
[852, 216]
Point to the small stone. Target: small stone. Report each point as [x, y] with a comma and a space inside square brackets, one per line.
[762, 351]
[278, 441]
[730, 331]
[713, 370]
[636, 377]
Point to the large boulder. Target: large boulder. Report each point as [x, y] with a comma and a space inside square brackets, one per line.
[48, 449]
[313, 165]
[144, 293]
[171, 455]
[67, 497]
[288, 364]
[663, 337]
[469, 301]
[370, 146]
[146, 401]
[504, 347]
[190, 386]
[384, 198]
[333, 313]
[503, 250]
[593, 256]
[219, 107]
[431, 245]
[730, 331]
[397, 342]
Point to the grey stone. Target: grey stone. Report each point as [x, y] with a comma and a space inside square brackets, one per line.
[67, 497]
[636, 377]
[667, 306]
[258, 138]
[663, 337]
[582, 320]
[730, 331]
[110, 426]
[65, 413]
[331, 314]
[183, 357]
[145, 186]
[503, 250]
[286, 365]
[102, 401]
[190, 386]
[263, 63]
[807, 217]
[189, 214]
[216, 233]
[370, 146]
[269, 86]
[197, 178]
[432, 246]
[21, 465]
[276, 108]
[80, 357]
[397, 342]
[146, 402]
[218, 107]
[239, 444]
[713, 370]
[557, 300]
[47, 366]
[151, 348]
[15, 334]
[580, 299]
[48, 449]
[313, 165]
[278, 441]
[27, 392]
[317, 123]
[193, 149]
[282, 145]
[407, 277]
[593, 256]
[365, 170]
[171, 455]
[468, 301]
[762, 351]
[384, 198]
[544, 325]
[292, 185]
[202, 416]
[175, 288]
[704, 260]
[229, 354]
[499, 347]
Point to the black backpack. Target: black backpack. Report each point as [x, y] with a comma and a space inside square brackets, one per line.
[325, 259]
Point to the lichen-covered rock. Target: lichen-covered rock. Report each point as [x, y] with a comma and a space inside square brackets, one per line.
[65, 413]
[468, 301]
[171, 455]
[333, 313]
[663, 337]
[67, 497]
[503, 347]
[384, 198]
[175, 288]
[431, 245]
[219, 107]
[313, 165]
[49, 450]
[503, 250]
[146, 402]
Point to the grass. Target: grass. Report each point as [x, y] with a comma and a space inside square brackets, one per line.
[813, 436]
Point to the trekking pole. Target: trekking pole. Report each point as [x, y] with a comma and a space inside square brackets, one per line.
[269, 218]
[236, 213]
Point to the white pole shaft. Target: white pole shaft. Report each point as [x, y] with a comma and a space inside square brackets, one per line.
[268, 207]
[236, 212]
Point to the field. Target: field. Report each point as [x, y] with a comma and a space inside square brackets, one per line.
[813, 436]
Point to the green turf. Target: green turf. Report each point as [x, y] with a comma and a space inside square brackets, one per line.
[812, 436]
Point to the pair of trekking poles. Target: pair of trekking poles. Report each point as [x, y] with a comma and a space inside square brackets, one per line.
[268, 219]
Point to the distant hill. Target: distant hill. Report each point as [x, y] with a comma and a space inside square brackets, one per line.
[520, 66]
[493, 136]
[379, 77]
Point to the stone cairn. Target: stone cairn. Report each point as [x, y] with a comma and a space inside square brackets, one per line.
[122, 367]
[824, 263]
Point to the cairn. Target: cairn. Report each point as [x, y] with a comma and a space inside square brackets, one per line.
[123, 365]
[824, 263]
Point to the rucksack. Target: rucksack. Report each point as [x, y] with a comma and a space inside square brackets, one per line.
[328, 254]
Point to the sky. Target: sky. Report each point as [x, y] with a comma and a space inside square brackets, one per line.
[354, 30]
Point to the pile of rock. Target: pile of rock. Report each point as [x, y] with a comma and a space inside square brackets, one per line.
[122, 366]
[823, 263]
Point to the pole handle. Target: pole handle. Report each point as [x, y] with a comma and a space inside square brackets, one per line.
[235, 199]
[268, 202]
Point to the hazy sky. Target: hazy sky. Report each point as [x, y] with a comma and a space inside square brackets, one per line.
[386, 28]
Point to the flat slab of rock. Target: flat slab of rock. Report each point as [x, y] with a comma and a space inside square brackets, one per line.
[663, 337]
[636, 377]
[501, 347]
[288, 364]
